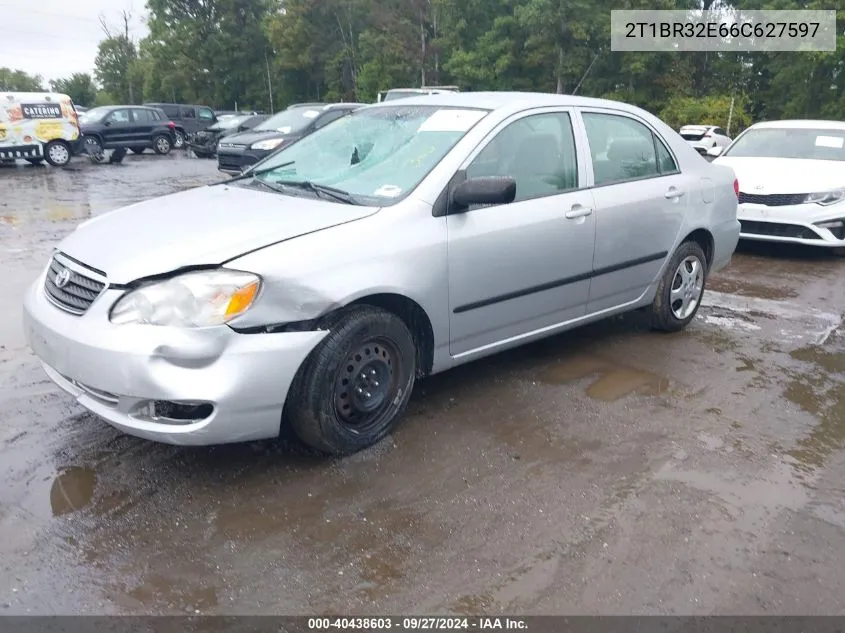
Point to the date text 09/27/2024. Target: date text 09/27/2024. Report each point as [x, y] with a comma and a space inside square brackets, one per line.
[417, 624]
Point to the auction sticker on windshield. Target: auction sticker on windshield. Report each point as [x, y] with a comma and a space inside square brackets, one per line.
[388, 191]
[836, 142]
[451, 120]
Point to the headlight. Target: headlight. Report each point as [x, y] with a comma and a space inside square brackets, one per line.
[272, 143]
[826, 197]
[197, 299]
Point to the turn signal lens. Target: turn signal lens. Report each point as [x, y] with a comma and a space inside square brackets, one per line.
[241, 300]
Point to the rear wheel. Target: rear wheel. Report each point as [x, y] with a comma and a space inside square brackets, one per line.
[137, 150]
[57, 153]
[161, 144]
[680, 290]
[355, 385]
[179, 139]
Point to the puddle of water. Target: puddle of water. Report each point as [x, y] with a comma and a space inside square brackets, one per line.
[832, 362]
[72, 490]
[750, 289]
[827, 405]
[613, 382]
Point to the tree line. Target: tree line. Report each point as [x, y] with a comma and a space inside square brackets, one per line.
[264, 54]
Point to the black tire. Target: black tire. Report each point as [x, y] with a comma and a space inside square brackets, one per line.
[162, 144]
[366, 349]
[93, 145]
[35, 161]
[178, 139]
[57, 153]
[665, 317]
[138, 150]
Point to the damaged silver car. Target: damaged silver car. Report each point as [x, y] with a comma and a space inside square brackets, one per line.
[311, 292]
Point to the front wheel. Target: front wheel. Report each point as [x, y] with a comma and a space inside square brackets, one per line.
[161, 144]
[355, 385]
[57, 153]
[680, 290]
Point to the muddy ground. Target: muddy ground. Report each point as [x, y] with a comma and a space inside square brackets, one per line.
[609, 470]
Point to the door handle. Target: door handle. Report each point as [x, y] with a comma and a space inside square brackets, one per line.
[673, 193]
[578, 211]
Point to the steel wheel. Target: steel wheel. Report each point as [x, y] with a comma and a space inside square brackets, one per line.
[57, 153]
[365, 386]
[687, 286]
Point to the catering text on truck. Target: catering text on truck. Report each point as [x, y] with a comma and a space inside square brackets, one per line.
[38, 126]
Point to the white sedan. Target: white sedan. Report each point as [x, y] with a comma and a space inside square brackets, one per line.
[792, 181]
[705, 137]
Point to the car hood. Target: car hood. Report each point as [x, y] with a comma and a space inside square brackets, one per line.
[253, 136]
[767, 176]
[203, 226]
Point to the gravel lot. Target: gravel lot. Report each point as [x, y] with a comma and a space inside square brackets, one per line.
[609, 470]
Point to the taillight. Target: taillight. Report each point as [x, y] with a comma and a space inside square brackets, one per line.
[736, 187]
[171, 125]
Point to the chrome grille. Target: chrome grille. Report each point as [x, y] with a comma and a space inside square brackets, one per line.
[774, 200]
[77, 293]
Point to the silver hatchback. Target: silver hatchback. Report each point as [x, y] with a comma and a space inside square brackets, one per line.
[395, 243]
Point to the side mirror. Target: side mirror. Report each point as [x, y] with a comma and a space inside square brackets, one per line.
[715, 151]
[486, 190]
[107, 123]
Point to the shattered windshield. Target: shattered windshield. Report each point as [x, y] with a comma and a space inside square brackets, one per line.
[377, 154]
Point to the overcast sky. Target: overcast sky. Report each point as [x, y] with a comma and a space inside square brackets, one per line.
[55, 38]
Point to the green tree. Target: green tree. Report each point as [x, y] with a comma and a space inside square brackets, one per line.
[79, 87]
[207, 51]
[115, 66]
[19, 81]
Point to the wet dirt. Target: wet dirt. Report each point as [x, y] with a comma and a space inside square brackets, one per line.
[608, 470]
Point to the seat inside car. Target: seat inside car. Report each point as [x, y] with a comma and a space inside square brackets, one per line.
[536, 166]
[627, 158]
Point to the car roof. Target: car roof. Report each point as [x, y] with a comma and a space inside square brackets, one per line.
[498, 100]
[331, 106]
[802, 124]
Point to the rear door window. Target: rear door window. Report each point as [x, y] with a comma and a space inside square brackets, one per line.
[171, 110]
[621, 148]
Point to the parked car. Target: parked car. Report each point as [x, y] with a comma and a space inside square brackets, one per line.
[703, 137]
[239, 151]
[38, 126]
[127, 126]
[189, 119]
[313, 291]
[204, 143]
[403, 93]
[792, 176]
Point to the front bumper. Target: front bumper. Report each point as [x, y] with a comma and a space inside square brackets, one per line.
[795, 224]
[113, 371]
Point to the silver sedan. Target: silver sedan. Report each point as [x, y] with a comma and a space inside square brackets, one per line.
[402, 240]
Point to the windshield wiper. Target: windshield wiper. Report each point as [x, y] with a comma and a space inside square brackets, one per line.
[257, 172]
[337, 194]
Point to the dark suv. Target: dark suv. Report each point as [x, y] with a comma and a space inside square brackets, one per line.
[189, 119]
[133, 127]
[239, 151]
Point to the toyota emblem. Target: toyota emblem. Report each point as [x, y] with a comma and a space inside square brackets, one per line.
[62, 277]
